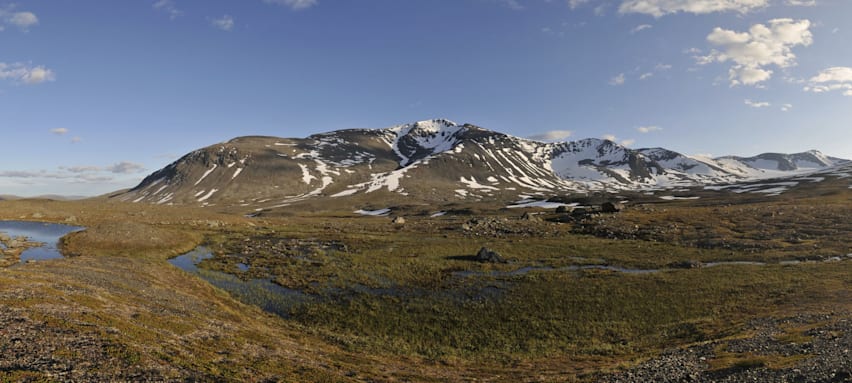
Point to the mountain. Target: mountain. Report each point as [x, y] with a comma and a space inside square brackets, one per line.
[436, 161]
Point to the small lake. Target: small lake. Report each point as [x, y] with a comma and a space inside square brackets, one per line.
[46, 233]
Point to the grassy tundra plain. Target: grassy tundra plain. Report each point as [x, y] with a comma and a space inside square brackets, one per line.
[574, 300]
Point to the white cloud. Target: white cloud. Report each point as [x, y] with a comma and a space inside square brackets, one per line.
[831, 79]
[762, 46]
[645, 76]
[648, 129]
[39, 75]
[640, 28]
[609, 137]
[553, 135]
[802, 3]
[59, 131]
[786, 107]
[617, 80]
[659, 8]
[22, 20]
[169, 7]
[304, 4]
[76, 139]
[662, 67]
[756, 104]
[627, 142]
[226, 23]
[26, 74]
[835, 74]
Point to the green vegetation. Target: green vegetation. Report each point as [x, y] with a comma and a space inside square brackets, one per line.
[376, 300]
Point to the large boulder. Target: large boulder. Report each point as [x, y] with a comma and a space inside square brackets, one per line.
[612, 207]
[487, 255]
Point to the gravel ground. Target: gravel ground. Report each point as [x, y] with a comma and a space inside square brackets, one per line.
[823, 353]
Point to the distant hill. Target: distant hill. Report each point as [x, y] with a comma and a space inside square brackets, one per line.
[436, 161]
[8, 197]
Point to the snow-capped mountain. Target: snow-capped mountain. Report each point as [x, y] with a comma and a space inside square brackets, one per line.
[436, 161]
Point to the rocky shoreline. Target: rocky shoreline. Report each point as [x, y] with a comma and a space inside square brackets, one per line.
[12, 247]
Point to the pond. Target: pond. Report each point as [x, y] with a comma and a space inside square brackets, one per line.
[48, 234]
[259, 292]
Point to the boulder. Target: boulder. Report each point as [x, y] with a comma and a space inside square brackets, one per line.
[399, 221]
[487, 255]
[612, 207]
[564, 209]
[686, 264]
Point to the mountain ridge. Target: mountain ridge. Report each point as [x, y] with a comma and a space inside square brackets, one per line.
[438, 161]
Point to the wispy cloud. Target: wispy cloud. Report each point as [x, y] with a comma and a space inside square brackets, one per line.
[225, 23]
[21, 20]
[82, 169]
[573, 4]
[168, 7]
[659, 8]
[640, 28]
[617, 80]
[59, 131]
[645, 76]
[77, 174]
[757, 104]
[786, 107]
[762, 46]
[613, 138]
[294, 4]
[832, 79]
[125, 167]
[802, 3]
[25, 73]
[648, 129]
[553, 135]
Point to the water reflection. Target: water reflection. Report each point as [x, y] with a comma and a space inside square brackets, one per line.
[48, 234]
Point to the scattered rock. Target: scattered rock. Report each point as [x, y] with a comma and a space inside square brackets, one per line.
[564, 209]
[487, 255]
[399, 221]
[529, 217]
[38, 215]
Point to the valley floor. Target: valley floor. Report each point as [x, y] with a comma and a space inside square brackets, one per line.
[731, 289]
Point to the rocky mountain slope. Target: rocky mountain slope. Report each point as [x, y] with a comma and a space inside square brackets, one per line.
[436, 161]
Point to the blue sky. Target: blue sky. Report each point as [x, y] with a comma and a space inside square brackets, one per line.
[94, 95]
